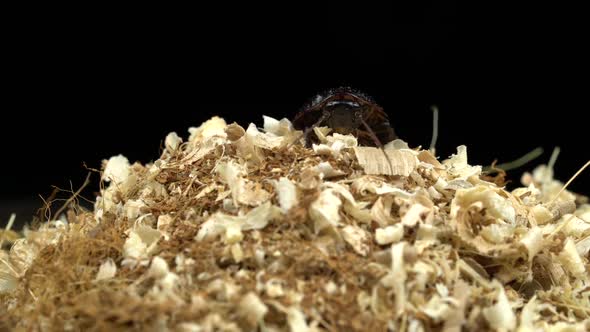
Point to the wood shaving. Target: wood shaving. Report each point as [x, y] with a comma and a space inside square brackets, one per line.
[245, 229]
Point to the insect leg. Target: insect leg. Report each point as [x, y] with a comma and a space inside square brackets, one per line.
[308, 130]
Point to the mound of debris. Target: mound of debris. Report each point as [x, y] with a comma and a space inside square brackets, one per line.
[246, 229]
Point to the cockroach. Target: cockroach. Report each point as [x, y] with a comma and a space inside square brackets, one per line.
[346, 111]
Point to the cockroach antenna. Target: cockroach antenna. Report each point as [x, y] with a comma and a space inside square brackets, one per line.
[378, 144]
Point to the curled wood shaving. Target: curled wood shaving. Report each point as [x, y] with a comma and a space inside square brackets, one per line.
[244, 229]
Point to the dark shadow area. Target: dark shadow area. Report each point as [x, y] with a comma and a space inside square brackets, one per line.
[504, 84]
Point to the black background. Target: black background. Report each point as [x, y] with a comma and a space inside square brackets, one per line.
[83, 87]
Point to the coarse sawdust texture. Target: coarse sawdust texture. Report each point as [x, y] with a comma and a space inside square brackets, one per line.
[248, 230]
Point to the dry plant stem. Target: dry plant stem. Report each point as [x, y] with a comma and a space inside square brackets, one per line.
[570, 306]
[45, 211]
[9, 266]
[248, 237]
[553, 158]
[69, 200]
[8, 227]
[560, 227]
[527, 158]
[432, 147]
[570, 181]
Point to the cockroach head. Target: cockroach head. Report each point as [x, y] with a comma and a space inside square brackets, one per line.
[337, 92]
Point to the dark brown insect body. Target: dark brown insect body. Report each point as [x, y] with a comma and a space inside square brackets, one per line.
[346, 111]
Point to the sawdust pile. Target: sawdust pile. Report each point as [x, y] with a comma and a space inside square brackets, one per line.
[244, 230]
